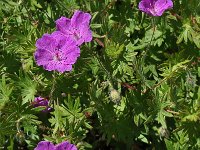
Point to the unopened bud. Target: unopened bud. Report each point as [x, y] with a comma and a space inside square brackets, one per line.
[63, 94]
[163, 132]
[115, 96]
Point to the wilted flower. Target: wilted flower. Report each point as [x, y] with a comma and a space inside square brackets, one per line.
[77, 27]
[40, 101]
[46, 145]
[155, 7]
[56, 52]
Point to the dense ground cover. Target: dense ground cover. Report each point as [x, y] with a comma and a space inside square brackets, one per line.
[132, 80]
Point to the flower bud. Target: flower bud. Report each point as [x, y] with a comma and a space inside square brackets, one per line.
[63, 94]
[115, 96]
[163, 132]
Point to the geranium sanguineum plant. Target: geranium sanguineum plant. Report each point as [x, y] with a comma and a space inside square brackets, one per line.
[77, 27]
[155, 7]
[56, 52]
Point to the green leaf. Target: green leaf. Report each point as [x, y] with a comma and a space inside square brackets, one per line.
[28, 89]
[5, 92]
[95, 26]
[113, 50]
[57, 121]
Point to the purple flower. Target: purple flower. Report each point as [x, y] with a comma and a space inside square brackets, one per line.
[39, 101]
[77, 27]
[46, 145]
[155, 7]
[65, 146]
[56, 52]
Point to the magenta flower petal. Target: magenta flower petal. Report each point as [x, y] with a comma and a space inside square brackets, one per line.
[70, 47]
[86, 33]
[80, 18]
[64, 67]
[40, 59]
[144, 5]
[61, 39]
[45, 145]
[62, 54]
[70, 53]
[46, 42]
[162, 5]
[65, 146]
[71, 56]
[155, 7]
[77, 27]
[40, 101]
[63, 25]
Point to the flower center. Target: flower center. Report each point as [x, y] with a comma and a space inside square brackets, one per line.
[76, 36]
[75, 33]
[56, 57]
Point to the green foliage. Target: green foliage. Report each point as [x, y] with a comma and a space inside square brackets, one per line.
[5, 92]
[28, 89]
[135, 86]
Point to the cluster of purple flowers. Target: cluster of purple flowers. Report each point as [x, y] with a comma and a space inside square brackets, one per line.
[60, 49]
[155, 7]
[46, 145]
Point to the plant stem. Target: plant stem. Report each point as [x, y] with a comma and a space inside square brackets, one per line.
[144, 54]
[53, 87]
